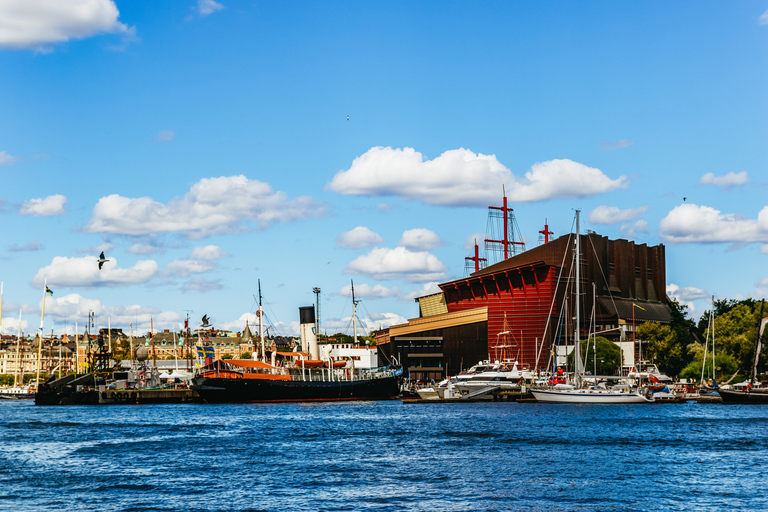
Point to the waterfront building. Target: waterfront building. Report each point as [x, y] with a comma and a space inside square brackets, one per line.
[512, 309]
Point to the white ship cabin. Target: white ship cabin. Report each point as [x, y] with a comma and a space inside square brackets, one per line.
[363, 357]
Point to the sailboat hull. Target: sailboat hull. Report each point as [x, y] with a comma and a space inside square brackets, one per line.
[587, 396]
[744, 397]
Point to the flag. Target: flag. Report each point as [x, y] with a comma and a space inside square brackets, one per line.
[635, 305]
[48, 290]
[653, 378]
[209, 351]
[200, 352]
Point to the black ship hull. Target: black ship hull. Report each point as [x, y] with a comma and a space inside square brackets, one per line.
[744, 397]
[242, 390]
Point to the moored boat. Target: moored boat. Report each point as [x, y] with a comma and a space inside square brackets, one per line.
[753, 392]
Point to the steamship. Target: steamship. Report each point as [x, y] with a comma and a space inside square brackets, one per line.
[327, 373]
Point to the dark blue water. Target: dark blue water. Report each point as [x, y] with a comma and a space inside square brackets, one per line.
[383, 456]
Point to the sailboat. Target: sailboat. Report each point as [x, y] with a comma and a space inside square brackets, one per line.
[754, 393]
[579, 394]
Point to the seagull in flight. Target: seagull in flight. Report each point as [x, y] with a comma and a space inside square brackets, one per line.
[102, 260]
[347, 118]
[205, 321]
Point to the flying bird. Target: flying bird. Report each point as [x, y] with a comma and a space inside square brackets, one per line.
[684, 199]
[102, 260]
[205, 321]
[347, 118]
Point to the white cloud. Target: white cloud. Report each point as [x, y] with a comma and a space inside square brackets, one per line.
[690, 223]
[427, 289]
[40, 24]
[5, 158]
[617, 144]
[51, 205]
[398, 263]
[212, 206]
[614, 215]
[686, 293]
[75, 272]
[200, 261]
[460, 177]
[763, 19]
[632, 229]
[366, 291]
[732, 179]
[208, 252]
[185, 268]
[165, 136]
[764, 249]
[143, 249]
[69, 311]
[358, 238]
[471, 240]
[420, 239]
[206, 7]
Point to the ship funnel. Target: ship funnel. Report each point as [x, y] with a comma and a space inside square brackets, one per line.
[307, 329]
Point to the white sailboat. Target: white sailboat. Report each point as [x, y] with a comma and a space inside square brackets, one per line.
[599, 394]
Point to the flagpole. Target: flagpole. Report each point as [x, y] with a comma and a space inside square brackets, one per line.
[1, 306]
[77, 351]
[18, 358]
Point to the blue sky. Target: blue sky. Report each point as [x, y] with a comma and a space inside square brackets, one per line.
[206, 145]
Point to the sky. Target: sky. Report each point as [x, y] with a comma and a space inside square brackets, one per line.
[209, 146]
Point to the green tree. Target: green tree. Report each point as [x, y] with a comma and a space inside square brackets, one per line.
[725, 367]
[227, 356]
[662, 345]
[736, 333]
[605, 352]
[6, 380]
[246, 355]
[121, 350]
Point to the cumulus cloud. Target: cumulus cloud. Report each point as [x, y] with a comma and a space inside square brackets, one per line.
[632, 229]
[460, 177]
[366, 291]
[398, 263]
[40, 24]
[206, 7]
[686, 295]
[614, 215]
[690, 223]
[617, 144]
[200, 261]
[73, 309]
[5, 158]
[420, 239]
[427, 289]
[212, 206]
[730, 180]
[165, 136]
[763, 19]
[29, 247]
[84, 272]
[764, 249]
[51, 205]
[358, 238]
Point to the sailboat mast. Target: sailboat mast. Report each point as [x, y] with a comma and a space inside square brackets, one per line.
[354, 313]
[576, 337]
[261, 328]
[758, 344]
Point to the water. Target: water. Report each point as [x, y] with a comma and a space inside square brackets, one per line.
[382, 456]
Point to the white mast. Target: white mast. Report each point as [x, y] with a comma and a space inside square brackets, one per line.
[261, 328]
[577, 348]
[18, 357]
[354, 313]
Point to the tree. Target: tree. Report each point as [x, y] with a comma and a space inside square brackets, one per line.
[227, 356]
[736, 332]
[725, 367]
[606, 353]
[662, 346]
[246, 355]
